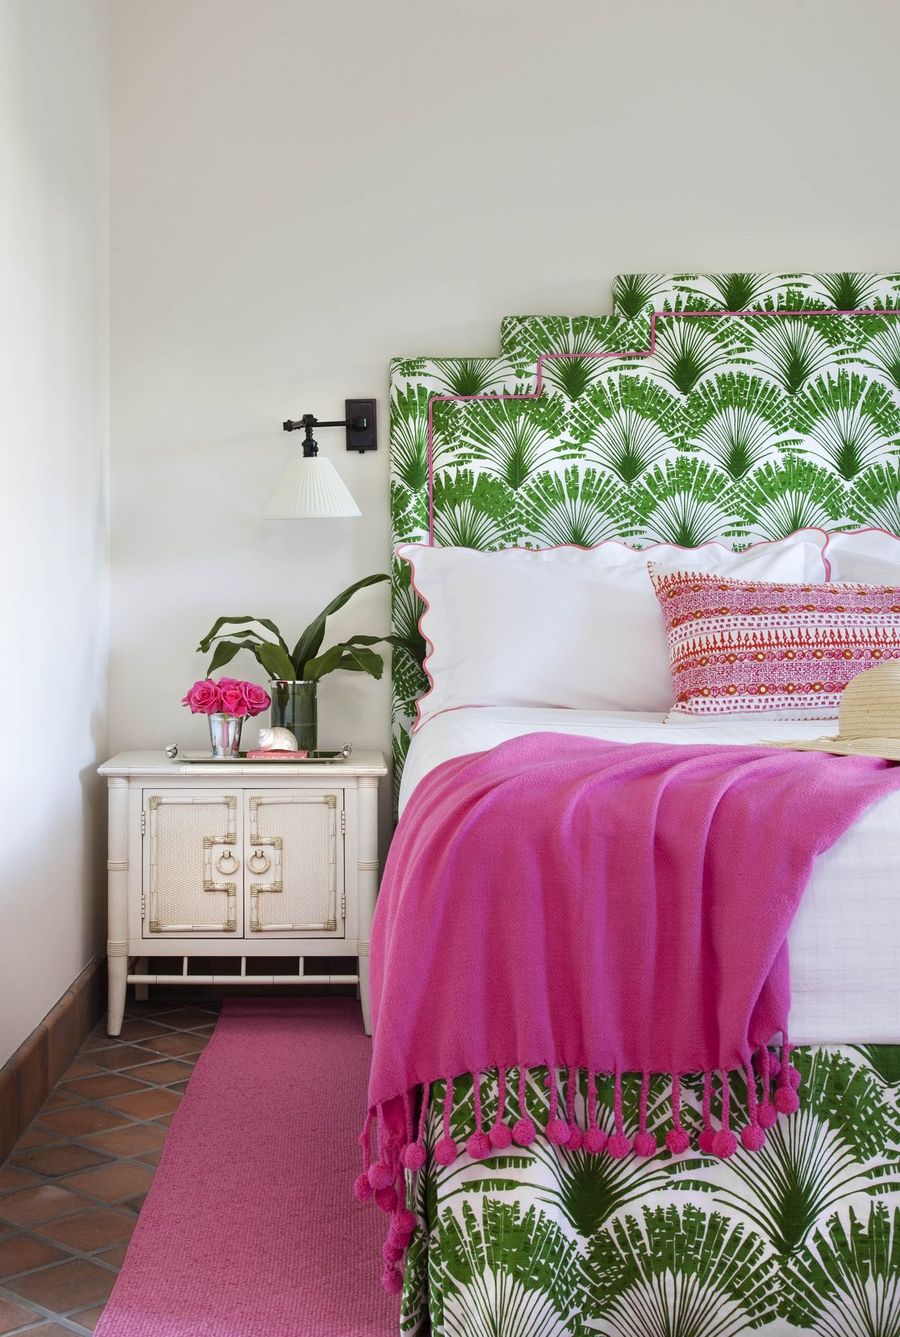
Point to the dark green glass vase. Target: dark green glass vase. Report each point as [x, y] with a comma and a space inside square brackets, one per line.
[294, 708]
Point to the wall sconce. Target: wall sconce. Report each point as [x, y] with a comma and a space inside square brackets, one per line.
[311, 487]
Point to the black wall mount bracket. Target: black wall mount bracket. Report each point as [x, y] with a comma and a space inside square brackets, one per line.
[359, 420]
[361, 433]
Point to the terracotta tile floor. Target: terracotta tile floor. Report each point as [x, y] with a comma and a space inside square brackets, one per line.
[73, 1185]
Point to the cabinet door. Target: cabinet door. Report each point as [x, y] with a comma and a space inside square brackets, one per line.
[294, 860]
[191, 863]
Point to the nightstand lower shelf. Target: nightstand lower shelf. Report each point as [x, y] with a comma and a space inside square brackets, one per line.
[185, 976]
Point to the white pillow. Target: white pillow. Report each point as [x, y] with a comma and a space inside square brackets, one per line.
[867, 556]
[567, 626]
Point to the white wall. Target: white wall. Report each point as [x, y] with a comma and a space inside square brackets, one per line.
[302, 189]
[53, 530]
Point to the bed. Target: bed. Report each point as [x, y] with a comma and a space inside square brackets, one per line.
[845, 941]
[646, 428]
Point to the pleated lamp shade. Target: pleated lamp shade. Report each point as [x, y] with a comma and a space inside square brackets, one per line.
[311, 488]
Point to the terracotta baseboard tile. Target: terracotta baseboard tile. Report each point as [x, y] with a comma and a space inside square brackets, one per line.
[9, 1114]
[90, 998]
[62, 1029]
[30, 1074]
[32, 1069]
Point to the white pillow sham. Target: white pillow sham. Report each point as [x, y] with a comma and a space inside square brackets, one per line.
[863, 556]
[574, 627]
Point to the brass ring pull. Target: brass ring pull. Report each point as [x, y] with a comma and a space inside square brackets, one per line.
[259, 862]
[226, 862]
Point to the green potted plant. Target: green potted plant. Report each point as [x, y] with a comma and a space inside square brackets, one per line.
[295, 673]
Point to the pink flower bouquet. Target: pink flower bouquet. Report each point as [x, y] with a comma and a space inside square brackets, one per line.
[228, 696]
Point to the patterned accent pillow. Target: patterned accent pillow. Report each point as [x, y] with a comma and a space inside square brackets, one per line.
[787, 650]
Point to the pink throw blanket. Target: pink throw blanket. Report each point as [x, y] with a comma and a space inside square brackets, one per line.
[593, 906]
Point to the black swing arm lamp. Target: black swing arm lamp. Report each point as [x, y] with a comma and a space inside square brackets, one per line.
[311, 487]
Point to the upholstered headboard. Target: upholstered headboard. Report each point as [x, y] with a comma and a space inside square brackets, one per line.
[734, 407]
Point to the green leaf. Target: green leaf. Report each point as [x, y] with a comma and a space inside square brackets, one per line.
[310, 642]
[229, 635]
[359, 660]
[671, 1268]
[737, 420]
[681, 501]
[836, 1145]
[885, 1060]
[469, 376]
[588, 1191]
[791, 351]
[581, 506]
[344, 655]
[507, 1271]
[473, 510]
[409, 436]
[633, 294]
[849, 292]
[226, 651]
[510, 438]
[781, 497]
[874, 498]
[883, 353]
[847, 1275]
[275, 661]
[686, 351]
[851, 421]
[398, 642]
[737, 292]
[327, 662]
[221, 622]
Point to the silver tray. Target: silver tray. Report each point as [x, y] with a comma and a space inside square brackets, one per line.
[174, 753]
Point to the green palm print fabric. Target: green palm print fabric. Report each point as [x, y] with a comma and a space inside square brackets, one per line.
[639, 294]
[800, 1237]
[737, 428]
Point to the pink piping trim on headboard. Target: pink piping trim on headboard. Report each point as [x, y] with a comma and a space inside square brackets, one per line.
[631, 353]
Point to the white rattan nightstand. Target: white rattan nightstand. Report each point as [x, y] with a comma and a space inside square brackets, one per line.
[240, 860]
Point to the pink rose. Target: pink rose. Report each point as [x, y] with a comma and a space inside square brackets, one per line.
[203, 697]
[233, 701]
[257, 698]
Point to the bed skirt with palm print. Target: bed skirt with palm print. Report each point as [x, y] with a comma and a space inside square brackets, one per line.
[802, 1236]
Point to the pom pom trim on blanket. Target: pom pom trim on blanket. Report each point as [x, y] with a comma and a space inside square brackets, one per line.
[400, 1146]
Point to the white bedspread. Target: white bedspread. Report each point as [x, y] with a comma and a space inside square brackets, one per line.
[845, 941]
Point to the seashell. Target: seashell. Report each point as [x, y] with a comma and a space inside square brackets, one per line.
[277, 740]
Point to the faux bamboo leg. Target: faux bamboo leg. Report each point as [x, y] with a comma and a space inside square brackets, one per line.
[368, 885]
[117, 881]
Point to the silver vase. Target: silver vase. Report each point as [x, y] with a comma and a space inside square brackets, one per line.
[225, 735]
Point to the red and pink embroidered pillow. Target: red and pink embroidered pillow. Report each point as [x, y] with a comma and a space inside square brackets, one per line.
[790, 650]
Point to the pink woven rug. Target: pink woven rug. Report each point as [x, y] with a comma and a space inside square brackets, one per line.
[250, 1228]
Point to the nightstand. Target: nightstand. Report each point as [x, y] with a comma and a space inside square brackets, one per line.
[244, 861]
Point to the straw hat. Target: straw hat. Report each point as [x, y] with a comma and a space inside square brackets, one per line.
[868, 718]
